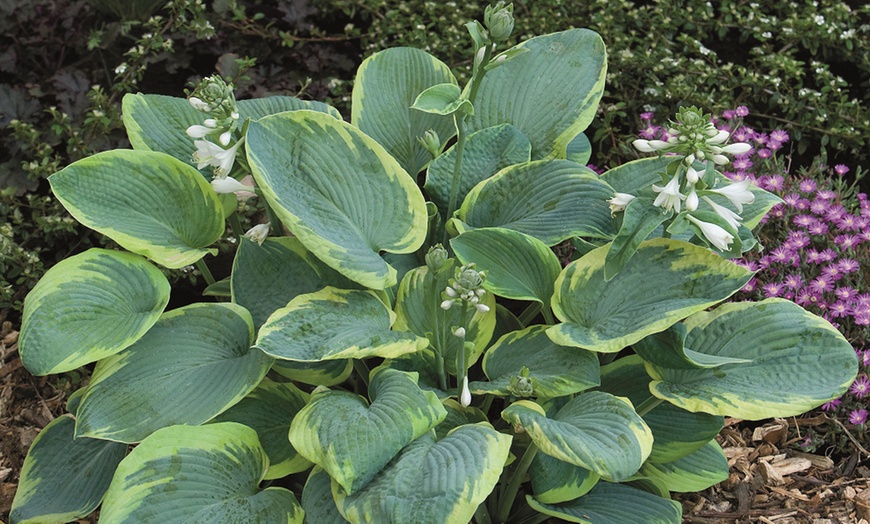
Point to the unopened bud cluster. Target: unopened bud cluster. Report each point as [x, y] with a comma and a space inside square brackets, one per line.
[466, 286]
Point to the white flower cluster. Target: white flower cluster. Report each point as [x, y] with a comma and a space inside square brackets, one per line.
[466, 286]
[215, 98]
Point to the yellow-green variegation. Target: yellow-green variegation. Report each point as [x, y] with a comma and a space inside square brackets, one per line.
[609, 503]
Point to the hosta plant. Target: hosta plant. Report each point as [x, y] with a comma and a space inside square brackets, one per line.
[400, 342]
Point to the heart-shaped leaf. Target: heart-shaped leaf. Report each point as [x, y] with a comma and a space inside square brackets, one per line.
[268, 410]
[317, 499]
[432, 482]
[335, 324]
[386, 86]
[210, 473]
[88, 307]
[517, 265]
[442, 99]
[64, 478]
[352, 440]
[338, 191]
[201, 357]
[594, 430]
[149, 203]
[776, 336]
[550, 92]
[551, 200]
[694, 472]
[666, 280]
[554, 481]
[554, 370]
[609, 503]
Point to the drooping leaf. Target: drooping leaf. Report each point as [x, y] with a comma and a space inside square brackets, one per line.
[268, 410]
[386, 86]
[609, 503]
[694, 472]
[550, 92]
[149, 203]
[338, 191]
[353, 440]
[517, 266]
[317, 499]
[554, 481]
[665, 281]
[551, 200]
[796, 362]
[64, 478]
[594, 430]
[557, 370]
[88, 307]
[432, 482]
[335, 324]
[442, 99]
[210, 473]
[201, 357]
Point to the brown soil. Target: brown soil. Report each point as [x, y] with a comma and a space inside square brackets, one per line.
[768, 483]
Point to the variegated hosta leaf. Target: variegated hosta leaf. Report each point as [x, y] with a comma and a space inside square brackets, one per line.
[335, 324]
[265, 277]
[797, 361]
[457, 415]
[149, 203]
[694, 472]
[268, 410]
[676, 432]
[637, 177]
[184, 474]
[551, 200]
[324, 373]
[554, 481]
[486, 152]
[579, 149]
[609, 503]
[159, 123]
[387, 84]
[550, 92]
[317, 499]
[88, 307]
[665, 281]
[352, 440]
[201, 358]
[668, 349]
[437, 482]
[64, 478]
[418, 311]
[339, 191]
[517, 265]
[594, 430]
[556, 370]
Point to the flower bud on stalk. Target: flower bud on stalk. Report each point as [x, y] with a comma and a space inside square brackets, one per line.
[499, 21]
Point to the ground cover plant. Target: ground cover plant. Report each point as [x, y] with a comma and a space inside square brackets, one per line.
[443, 365]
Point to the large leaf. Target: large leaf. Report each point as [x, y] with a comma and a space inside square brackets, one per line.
[554, 481]
[637, 177]
[551, 200]
[694, 472]
[199, 355]
[335, 324]
[550, 92]
[387, 84]
[594, 430]
[609, 503]
[339, 191]
[88, 307]
[352, 440]
[265, 277]
[556, 370]
[159, 123]
[324, 373]
[149, 203]
[517, 265]
[268, 410]
[317, 499]
[437, 482]
[211, 473]
[487, 152]
[796, 362]
[64, 478]
[639, 219]
[665, 281]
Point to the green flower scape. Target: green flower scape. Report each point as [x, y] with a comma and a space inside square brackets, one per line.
[400, 344]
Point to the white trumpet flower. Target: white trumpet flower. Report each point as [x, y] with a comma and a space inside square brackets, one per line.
[669, 196]
[717, 235]
[737, 193]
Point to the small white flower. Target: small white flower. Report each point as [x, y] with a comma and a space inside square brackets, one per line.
[465, 397]
[731, 217]
[225, 138]
[258, 233]
[737, 148]
[720, 160]
[199, 104]
[692, 201]
[210, 154]
[482, 308]
[737, 193]
[197, 131]
[228, 185]
[619, 202]
[718, 138]
[717, 235]
[447, 304]
[459, 332]
[692, 176]
[669, 196]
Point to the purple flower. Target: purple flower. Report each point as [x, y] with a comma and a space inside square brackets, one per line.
[847, 241]
[774, 145]
[782, 254]
[744, 134]
[847, 265]
[822, 283]
[840, 309]
[840, 169]
[649, 132]
[728, 114]
[791, 199]
[813, 256]
[793, 281]
[861, 387]
[741, 111]
[848, 222]
[749, 287]
[862, 320]
[820, 206]
[845, 293]
[858, 416]
[804, 220]
[742, 162]
[773, 289]
[807, 185]
[831, 405]
[863, 299]
[805, 297]
[779, 135]
[826, 194]
[775, 182]
[828, 255]
[818, 228]
[865, 358]
[764, 153]
[833, 272]
[797, 240]
[647, 116]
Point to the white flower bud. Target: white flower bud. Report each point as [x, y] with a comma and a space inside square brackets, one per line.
[692, 201]
[643, 146]
[228, 185]
[459, 332]
[720, 160]
[225, 138]
[465, 397]
[258, 233]
[482, 308]
[692, 176]
[199, 104]
[737, 148]
[447, 304]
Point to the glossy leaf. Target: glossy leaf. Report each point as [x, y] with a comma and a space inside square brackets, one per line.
[210, 473]
[609, 503]
[338, 191]
[665, 281]
[88, 307]
[200, 356]
[695, 472]
[150, 203]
